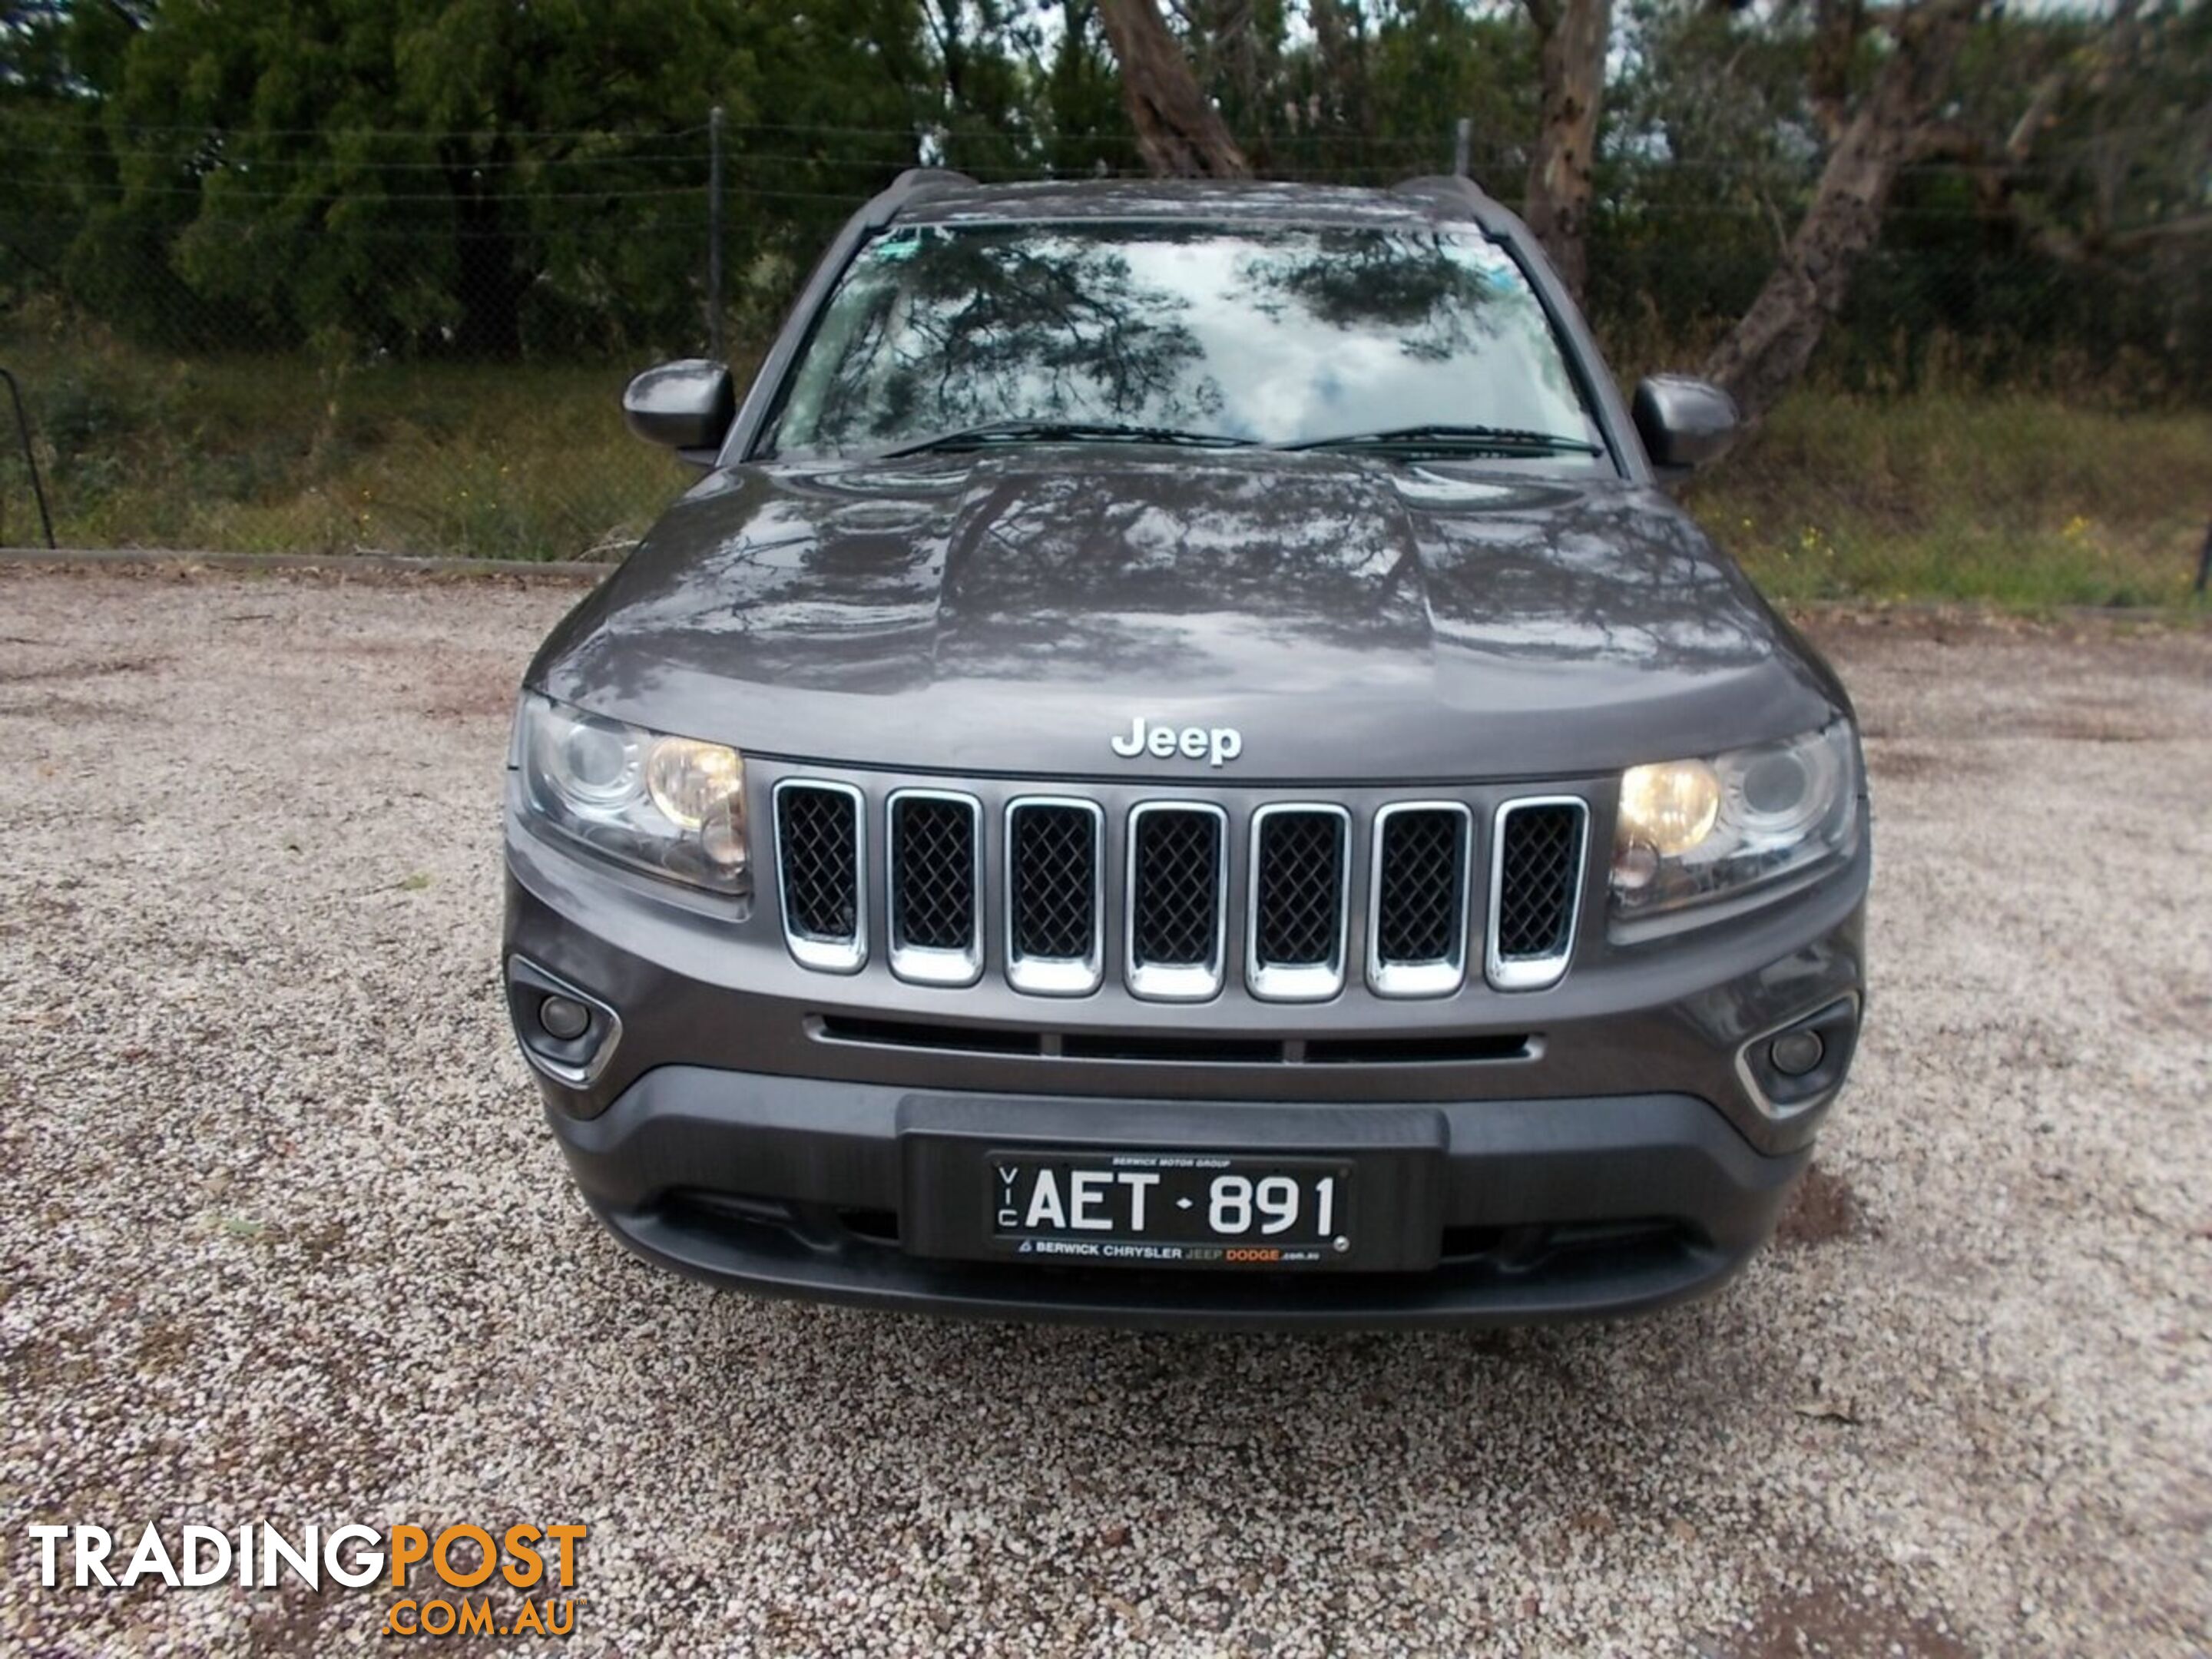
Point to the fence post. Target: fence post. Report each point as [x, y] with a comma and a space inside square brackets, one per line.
[1462, 145]
[31, 460]
[714, 233]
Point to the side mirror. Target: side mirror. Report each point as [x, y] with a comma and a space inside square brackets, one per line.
[687, 405]
[1683, 423]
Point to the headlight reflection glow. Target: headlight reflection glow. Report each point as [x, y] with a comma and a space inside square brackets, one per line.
[675, 807]
[1691, 830]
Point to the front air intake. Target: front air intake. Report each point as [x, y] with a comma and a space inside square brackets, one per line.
[1055, 896]
[1535, 891]
[1417, 907]
[1301, 863]
[1178, 888]
[818, 848]
[933, 890]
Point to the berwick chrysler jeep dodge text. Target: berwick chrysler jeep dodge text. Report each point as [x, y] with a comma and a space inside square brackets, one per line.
[1180, 766]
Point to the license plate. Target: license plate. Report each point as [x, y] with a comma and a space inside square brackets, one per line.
[1170, 1209]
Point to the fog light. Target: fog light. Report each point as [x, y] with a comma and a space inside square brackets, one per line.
[567, 1018]
[1797, 1053]
[1799, 1066]
[566, 1032]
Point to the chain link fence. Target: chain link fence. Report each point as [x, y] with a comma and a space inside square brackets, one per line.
[417, 354]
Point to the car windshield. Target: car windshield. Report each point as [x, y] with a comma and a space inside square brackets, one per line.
[1159, 332]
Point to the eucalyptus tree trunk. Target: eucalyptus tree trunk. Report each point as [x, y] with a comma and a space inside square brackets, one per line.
[1178, 132]
[1764, 352]
[1571, 37]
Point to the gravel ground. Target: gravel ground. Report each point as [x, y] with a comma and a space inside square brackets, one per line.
[281, 1235]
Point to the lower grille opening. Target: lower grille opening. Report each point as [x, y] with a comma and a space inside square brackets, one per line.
[726, 1209]
[1471, 1243]
[1221, 1051]
[920, 1034]
[877, 1226]
[737, 1215]
[834, 1249]
[1514, 1249]
[1419, 1051]
[1199, 1050]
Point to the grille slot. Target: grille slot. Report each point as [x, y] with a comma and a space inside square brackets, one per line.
[1300, 864]
[1417, 925]
[1474, 1049]
[933, 894]
[1055, 852]
[1179, 1050]
[917, 1034]
[1535, 891]
[819, 841]
[1177, 912]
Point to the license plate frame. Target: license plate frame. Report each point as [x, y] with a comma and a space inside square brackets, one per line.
[1395, 1156]
[1149, 1207]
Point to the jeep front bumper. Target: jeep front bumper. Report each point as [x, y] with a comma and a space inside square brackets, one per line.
[1602, 1148]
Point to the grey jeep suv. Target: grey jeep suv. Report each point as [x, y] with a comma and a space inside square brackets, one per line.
[1179, 765]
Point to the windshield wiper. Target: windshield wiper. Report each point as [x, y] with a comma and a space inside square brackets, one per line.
[1490, 440]
[1053, 432]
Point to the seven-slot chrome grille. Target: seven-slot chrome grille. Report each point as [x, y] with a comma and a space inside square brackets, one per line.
[1442, 887]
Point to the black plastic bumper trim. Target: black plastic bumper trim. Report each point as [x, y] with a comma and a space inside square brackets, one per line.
[820, 1146]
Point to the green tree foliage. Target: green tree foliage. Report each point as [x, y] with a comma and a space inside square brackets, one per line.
[481, 177]
[1084, 127]
[1436, 61]
[1999, 254]
[464, 176]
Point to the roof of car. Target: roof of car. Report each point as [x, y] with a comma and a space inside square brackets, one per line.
[929, 196]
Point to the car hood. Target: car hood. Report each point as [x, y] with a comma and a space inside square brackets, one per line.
[1349, 617]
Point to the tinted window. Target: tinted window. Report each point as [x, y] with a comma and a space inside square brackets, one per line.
[1276, 335]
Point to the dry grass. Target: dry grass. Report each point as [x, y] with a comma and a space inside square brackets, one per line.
[254, 454]
[2014, 499]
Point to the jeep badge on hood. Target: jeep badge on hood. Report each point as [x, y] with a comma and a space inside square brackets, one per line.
[1213, 744]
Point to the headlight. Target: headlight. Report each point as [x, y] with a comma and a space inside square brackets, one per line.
[673, 806]
[1695, 830]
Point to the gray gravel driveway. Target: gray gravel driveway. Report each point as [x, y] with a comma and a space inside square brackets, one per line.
[281, 1235]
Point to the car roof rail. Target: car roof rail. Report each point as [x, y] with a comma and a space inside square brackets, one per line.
[915, 185]
[1457, 192]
